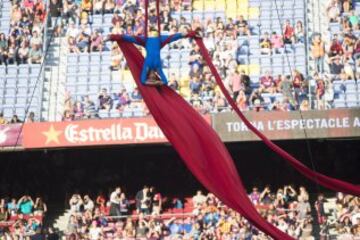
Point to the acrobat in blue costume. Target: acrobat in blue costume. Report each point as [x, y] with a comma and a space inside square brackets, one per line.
[153, 45]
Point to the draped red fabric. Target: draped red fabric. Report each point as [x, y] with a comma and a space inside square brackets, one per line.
[198, 145]
[328, 182]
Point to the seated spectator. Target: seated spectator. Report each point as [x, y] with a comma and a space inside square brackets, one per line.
[116, 58]
[96, 42]
[299, 32]
[333, 11]
[83, 41]
[265, 44]
[30, 118]
[2, 119]
[195, 85]
[267, 83]
[243, 26]
[35, 55]
[348, 45]
[109, 6]
[15, 119]
[356, 52]
[3, 49]
[277, 42]
[288, 33]
[68, 116]
[78, 110]
[89, 108]
[11, 54]
[86, 6]
[36, 40]
[336, 66]
[72, 31]
[173, 83]
[73, 48]
[105, 101]
[319, 93]
[23, 53]
[135, 95]
[256, 100]
[354, 20]
[117, 29]
[336, 47]
[98, 6]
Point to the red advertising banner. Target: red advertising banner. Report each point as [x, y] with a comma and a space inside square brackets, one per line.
[10, 135]
[93, 132]
[336, 123]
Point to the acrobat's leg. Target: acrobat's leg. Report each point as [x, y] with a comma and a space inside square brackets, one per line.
[144, 74]
[161, 73]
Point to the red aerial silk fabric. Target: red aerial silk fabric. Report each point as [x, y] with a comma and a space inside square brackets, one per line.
[328, 182]
[198, 145]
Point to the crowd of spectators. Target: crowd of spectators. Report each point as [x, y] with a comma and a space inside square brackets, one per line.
[339, 216]
[220, 37]
[15, 119]
[23, 43]
[118, 217]
[21, 218]
[336, 57]
[121, 102]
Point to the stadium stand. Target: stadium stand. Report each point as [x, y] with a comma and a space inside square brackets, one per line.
[87, 71]
[336, 70]
[22, 38]
[200, 217]
[22, 218]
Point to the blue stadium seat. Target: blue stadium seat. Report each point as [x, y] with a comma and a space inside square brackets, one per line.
[8, 112]
[103, 113]
[12, 70]
[114, 113]
[82, 79]
[127, 114]
[83, 69]
[72, 59]
[24, 69]
[71, 79]
[35, 69]
[351, 96]
[84, 58]
[71, 69]
[339, 103]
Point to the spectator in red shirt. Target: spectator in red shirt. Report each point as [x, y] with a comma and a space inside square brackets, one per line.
[267, 83]
[336, 47]
[288, 32]
[298, 80]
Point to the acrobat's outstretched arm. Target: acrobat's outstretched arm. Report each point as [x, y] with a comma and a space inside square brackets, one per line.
[166, 39]
[127, 38]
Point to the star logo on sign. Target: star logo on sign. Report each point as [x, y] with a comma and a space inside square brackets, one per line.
[52, 135]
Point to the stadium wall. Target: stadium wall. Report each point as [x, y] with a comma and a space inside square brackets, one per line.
[327, 124]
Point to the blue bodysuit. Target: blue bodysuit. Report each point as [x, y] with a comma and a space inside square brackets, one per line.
[153, 47]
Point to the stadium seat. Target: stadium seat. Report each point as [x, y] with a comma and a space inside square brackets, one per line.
[35, 70]
[12, 70]
[339, 103]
